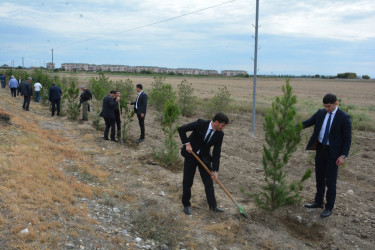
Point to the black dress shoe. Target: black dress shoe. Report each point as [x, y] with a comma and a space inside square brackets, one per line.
[114, 140]
[106, 138]
[313, 205]
[326, 213]
[187, 210]
[217, 209]
[140, 140]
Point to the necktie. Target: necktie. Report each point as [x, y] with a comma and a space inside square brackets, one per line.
[207, 139]
[326, 132]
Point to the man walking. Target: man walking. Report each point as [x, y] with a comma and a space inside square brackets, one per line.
[117, 116]
[108, 113]
[331, 139]
[55, 98]
[13, 85]
[37, 88]
[85, 97]
[140, 108]
[205, 134]
[27, 92]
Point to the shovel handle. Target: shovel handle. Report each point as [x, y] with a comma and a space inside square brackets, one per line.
[217, 180]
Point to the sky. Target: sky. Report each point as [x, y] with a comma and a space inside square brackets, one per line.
[298, 37]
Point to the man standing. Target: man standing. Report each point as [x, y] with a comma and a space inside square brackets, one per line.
[3, 79]
[108, 113]
[205, 134]
[140, 108]
[19, 86]
[37, 88]
[117, 116]
[55, 98]
[13, 85]
[27, 93]
[85, 97]
[331, 139]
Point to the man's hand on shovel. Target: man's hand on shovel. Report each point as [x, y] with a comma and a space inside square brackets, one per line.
[214, 176]
[189, 149]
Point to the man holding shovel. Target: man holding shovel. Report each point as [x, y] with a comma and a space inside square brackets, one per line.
[205, 134]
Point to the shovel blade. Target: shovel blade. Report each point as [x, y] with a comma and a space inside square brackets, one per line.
[242, 211]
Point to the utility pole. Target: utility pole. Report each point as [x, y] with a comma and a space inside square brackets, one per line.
[53, 69]
[23, 65]
[255, 68]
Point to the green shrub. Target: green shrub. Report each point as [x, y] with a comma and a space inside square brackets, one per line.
[186, 100]
[126, 89]
[218, 103]
[100, 88]
[169, 154]
[282, 137]
[160, 93]
[71, 96]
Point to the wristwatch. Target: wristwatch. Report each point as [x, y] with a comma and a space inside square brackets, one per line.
[343, 156]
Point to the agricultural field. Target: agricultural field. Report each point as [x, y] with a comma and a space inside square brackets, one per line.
[104, 195]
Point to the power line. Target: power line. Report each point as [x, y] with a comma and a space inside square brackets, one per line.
[150, 24]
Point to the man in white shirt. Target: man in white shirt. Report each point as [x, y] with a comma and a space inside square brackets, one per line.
[37, 88]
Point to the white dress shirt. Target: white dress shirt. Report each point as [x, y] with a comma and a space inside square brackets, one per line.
[207, 133]
[323, 129]
[136, 102]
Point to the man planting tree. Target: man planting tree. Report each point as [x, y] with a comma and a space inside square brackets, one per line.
[205, 134]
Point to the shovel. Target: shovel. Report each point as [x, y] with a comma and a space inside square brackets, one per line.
[221, 185]
[119, 110]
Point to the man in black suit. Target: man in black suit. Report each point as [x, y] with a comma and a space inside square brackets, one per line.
[108, 113]
[140, 108]
[331, 139]
[27, 92]
[55, 98]
[118, 116]
[205, 134]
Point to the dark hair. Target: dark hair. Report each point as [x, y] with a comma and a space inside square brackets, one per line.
[139, 86]
[112, 92]
[329, 99]
[221, 118]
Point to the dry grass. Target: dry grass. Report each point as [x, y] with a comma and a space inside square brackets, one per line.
[34, 192]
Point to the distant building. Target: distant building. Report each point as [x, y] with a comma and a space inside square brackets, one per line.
[233, 72]
[50, 65]
[151, 69]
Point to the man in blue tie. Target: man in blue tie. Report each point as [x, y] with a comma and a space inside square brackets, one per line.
[331, 139]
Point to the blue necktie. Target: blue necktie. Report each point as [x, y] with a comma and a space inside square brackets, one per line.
[326, 132]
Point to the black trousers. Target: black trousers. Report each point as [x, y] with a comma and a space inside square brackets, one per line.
[326, 172]
[55, 107]
[118, 125]
[141, 121]
[109, 124]
[190, 167]
[13, 92]
[26, 102]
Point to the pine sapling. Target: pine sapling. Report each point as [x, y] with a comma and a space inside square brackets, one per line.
[282, 137]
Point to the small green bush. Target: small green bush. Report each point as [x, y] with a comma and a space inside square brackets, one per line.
[218, 103]
[160, 93]
[186, 100]
[169, 154]
[71, 96]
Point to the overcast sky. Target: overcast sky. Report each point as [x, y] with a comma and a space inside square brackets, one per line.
[295, 37]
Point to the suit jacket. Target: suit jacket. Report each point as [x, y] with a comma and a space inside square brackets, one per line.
[142, 104]
[199, 129]
[340, 135]
[54, 93]
[108, 110]
[26, 89]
